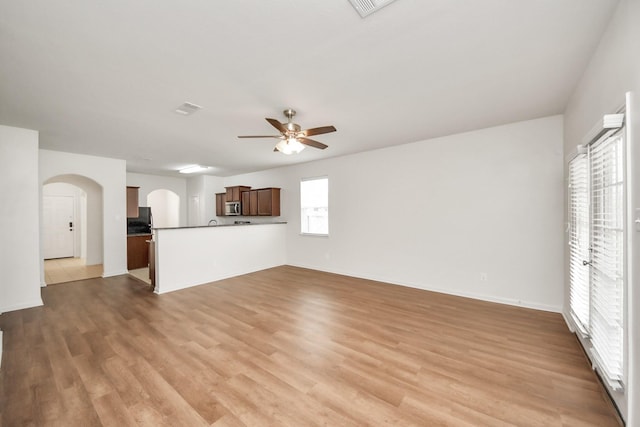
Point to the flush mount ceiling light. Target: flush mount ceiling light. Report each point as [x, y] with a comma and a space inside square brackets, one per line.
[367, 7]
[194, 169]
[187, 109]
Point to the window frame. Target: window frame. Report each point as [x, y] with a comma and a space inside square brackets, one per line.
[307, 179]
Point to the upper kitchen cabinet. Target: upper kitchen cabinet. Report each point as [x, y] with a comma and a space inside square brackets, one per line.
[221, 199]
[268, 201]
[132, 202]
[246, 203]
[250, 203]
[234, 194]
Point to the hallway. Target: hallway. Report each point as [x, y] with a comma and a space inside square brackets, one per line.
[62, 270]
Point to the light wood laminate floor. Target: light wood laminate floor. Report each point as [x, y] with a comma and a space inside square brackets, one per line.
[289, 347]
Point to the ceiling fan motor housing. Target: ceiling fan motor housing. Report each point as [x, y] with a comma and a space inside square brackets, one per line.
[292, 127]
[289, 113]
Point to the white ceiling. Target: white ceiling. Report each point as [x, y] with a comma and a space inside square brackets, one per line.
[103, 78]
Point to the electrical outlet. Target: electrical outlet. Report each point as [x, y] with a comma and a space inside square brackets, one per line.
[483, 277]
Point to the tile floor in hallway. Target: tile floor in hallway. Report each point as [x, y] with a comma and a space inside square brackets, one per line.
[62, 270]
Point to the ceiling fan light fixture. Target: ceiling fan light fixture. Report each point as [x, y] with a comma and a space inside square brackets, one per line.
[295, 145]
[282, 147]
[289, 146]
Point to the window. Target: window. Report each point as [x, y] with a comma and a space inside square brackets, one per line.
[314, 206]
[596, 251]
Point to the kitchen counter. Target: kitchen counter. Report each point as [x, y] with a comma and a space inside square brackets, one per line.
[191, 256]
[138, 234]
[219, 225]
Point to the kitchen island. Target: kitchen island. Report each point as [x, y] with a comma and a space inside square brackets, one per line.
[191, 256]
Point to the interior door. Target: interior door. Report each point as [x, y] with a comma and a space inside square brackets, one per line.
[58, 226]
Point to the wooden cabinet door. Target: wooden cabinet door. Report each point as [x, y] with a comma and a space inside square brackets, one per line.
[253, 202]
[229, 197]
[246, 203]
[137, 251]
[275, 201]
[269, 202]
[221, 199]
[132, 202]
[264, 202]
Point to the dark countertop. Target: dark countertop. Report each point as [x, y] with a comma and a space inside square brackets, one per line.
[139, 234]
[219, 225]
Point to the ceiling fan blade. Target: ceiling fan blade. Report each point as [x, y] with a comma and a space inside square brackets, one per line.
[312, 143]
[317, 131]
[260, 136]
[276, 124]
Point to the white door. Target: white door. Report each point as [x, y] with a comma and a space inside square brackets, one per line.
[59, 226]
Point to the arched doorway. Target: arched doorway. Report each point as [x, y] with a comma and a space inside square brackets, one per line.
[72, 229]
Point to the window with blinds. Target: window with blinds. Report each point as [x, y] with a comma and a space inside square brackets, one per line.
[596, 251]
[579, 294]
[607, 258]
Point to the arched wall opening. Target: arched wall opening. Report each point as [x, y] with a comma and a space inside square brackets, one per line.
[88, 216]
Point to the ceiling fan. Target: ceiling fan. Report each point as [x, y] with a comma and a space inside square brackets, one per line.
[292, 137]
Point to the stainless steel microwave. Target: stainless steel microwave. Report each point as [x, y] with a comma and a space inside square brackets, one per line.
[232, 208]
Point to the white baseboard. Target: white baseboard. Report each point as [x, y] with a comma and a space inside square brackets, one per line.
[568, 322]
[22, 305]
[488, 298]
[114, 273]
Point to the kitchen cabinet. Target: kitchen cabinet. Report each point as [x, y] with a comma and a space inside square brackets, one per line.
[246, 203]
[221, 199]
[268, 201]
[138, 251]
[234, 194]
[250, 203]
[132, 202]
[253, 202]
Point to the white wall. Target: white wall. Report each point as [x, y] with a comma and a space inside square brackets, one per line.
[149, 183]
[165, 208]
[19, 219]
[438, 213]
[205, 187]
[614, 70]
[110, 174]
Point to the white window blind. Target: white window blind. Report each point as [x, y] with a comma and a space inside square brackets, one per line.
[607, 256]
[579, 294]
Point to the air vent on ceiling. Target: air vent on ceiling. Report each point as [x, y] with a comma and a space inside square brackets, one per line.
[187, 108]
[367, 7]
